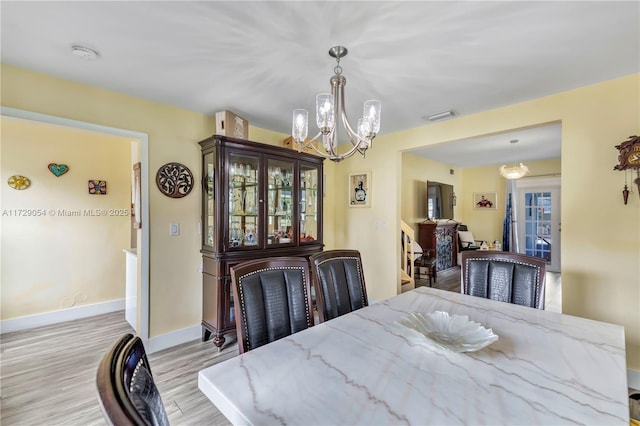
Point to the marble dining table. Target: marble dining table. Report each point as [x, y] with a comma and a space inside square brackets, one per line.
[364, 368]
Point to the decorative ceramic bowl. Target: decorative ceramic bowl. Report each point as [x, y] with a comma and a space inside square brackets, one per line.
[455, 332]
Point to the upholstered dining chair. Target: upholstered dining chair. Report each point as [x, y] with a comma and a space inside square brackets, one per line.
[126, 390]
[272, 299]
[504, 276]
[338, 280]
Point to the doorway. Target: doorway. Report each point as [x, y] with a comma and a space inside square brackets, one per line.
[143, 240]
[538, 218]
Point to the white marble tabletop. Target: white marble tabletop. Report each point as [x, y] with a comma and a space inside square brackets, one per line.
[363, 368]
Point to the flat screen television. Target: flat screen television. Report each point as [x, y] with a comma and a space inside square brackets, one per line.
[440, 200]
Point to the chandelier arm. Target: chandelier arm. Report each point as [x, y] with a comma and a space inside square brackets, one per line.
[309, 143]
[335, 157]
[354, 138]
[331, 154]
[359, 143]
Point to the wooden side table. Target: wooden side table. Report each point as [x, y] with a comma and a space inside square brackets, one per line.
[429, 263]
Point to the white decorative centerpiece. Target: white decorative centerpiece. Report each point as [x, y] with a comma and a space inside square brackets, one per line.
[454, 332]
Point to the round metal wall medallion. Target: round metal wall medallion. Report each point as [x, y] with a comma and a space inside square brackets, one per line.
[174, 180]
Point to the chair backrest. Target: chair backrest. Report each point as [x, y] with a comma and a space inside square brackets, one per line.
[338, 280]
[126, 390]
[272, 299]
[504, 276]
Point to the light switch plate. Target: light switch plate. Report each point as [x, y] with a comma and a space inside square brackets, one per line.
[174, 229]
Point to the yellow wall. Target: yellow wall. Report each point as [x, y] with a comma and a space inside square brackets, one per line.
[416, 171]
[66, 256]
[175, 287]
[600, 244]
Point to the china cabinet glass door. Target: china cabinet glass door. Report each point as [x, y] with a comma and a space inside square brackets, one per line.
[244, 208]
[280, 180]
[209, 207]
[308, 203]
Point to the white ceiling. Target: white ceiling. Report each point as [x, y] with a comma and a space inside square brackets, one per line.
[263, 59]
[539, 143]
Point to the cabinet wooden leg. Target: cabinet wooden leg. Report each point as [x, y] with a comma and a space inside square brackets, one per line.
[218, 340]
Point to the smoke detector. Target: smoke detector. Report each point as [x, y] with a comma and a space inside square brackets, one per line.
[84, 52]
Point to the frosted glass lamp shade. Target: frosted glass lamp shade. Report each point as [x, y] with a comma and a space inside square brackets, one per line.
[514, 172]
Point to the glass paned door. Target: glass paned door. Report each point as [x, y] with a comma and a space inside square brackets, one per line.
[308, 203]
[209, 209]
[243, 201]
[280, 181]
[539, 222]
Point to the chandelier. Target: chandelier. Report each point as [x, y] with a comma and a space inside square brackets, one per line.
[329, 111]
[514, 171]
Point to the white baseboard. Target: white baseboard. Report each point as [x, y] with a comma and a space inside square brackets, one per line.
[62, 315]
[173, 338]
[633, 378]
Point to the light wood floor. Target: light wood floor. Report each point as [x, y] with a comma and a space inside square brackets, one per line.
[446, 280]
[48, 374]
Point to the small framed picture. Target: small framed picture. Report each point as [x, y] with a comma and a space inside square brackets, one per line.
[485, 200]
[360, 189]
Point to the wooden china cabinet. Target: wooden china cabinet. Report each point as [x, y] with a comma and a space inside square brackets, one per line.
[257, 201]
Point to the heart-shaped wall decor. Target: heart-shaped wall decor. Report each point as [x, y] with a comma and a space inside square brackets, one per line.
[58, 169]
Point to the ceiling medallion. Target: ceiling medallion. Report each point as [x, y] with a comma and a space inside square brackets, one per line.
[330, 109]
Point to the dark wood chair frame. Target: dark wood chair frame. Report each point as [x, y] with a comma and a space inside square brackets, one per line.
[257, 266]
[113, 377]
[505, 256]
[318, 259]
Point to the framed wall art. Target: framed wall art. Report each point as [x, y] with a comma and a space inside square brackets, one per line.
[485, 200]
[174, 180]
[97, 187]
[360, 189]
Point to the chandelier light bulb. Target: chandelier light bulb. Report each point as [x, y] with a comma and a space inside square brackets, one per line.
[300, 128]
[372, 110]
[325, 117]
